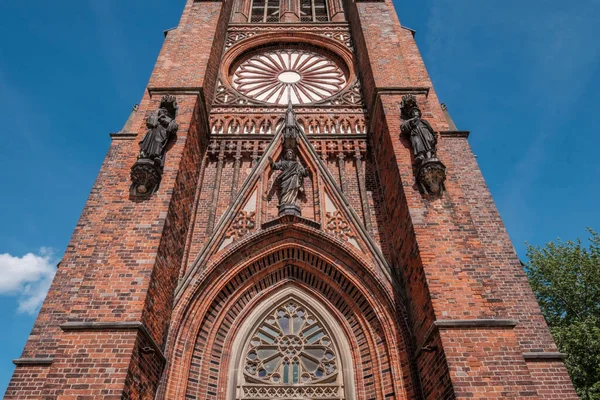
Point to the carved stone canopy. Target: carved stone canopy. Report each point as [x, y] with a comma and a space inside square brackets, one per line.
[291, 129]
[409, 103]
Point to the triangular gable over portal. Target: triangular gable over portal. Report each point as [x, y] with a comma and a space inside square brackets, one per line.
[250, 212]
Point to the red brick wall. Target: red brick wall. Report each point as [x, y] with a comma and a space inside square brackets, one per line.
[123, 260]
[455, 258]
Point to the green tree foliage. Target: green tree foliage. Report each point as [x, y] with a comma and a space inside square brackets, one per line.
[565, 277]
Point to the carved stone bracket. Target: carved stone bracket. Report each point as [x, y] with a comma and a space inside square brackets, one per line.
[431, 175]
[145, 177]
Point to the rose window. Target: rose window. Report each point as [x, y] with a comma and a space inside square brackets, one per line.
[278, 76]
[291, 347]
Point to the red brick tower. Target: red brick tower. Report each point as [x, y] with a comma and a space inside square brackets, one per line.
[290, 215]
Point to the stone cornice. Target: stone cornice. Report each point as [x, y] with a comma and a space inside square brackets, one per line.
[33, 361]
[455, 134]
[123, 136]
[544, 356]
[443, 324]
[176, 91]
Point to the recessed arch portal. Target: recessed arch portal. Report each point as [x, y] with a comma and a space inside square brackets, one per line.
[291, 346]
[215, 303]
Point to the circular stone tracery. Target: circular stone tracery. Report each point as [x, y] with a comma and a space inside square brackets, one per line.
[291, 346]
[278, 76]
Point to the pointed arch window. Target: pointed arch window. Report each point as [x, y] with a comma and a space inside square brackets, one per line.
[313, 11]
[270, 11]
[291, 354]
[265, 11]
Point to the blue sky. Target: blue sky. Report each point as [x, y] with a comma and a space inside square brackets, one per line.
[522, 76]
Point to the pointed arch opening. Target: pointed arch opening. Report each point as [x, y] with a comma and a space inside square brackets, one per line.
[219, 310]
[291, 347]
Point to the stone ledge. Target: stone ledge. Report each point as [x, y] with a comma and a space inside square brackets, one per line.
[544, 356]
[33, 361]
[475, 323]
[115, 326]
[455, 134]
[402, 90]
[123, 136]
[176, 91]
[464, 324]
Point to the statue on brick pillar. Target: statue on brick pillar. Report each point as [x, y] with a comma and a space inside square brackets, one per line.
[431, 173]
[146, 173]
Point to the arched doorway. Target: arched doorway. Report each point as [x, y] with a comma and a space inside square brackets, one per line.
[220, 309]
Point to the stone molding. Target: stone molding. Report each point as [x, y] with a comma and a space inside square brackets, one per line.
[544, 356]
[33, 361]
[475, 323]
[115, 326]
[455, 134]
[123, 135]
[176, 91]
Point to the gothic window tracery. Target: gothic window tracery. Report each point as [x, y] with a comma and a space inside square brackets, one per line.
[291, 353]
[278, 76]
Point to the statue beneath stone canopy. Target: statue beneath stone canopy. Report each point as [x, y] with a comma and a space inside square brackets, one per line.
[146, 173]
[290, 183]
[431, 172]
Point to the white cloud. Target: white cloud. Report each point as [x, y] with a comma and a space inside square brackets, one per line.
[28, 277]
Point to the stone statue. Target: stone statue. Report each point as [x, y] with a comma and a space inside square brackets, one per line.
[422, 136]
[430, 171]
[161, 126]
[291, 179]
[146, 173]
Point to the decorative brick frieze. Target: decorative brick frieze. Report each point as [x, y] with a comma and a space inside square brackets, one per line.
[268, 124]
